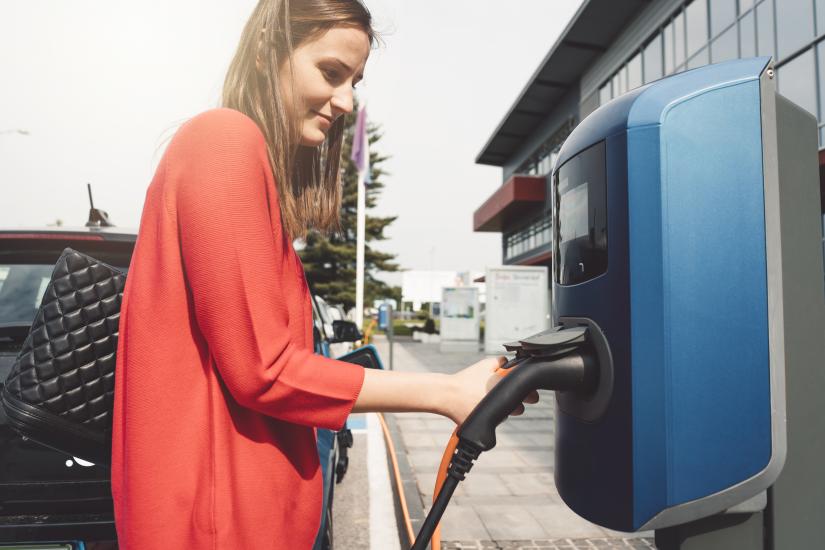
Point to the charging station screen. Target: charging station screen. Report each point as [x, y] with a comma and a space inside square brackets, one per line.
[581, 217]
[573, 212]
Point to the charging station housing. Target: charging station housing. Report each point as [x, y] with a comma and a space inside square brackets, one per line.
[666, 209]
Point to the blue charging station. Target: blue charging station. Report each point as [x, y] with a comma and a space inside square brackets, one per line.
[687, 349]
[672, 239]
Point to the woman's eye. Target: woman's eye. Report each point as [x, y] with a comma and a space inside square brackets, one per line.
[330, 74]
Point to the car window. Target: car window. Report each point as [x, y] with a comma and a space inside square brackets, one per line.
[21, 290]
[323, 309]
[26, 266]
[317, 318]
[335, 314]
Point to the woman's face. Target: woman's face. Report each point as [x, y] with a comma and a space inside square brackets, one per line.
[324, 72]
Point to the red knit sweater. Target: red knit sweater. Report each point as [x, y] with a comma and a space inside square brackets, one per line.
[217, 388]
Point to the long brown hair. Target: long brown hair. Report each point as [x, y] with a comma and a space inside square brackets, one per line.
[307, 177]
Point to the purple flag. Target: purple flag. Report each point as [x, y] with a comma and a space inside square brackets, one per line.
[360, 145]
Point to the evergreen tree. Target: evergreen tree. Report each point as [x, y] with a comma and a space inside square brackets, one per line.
[329, 261]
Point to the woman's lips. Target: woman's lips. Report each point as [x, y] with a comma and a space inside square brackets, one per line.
[325, 119]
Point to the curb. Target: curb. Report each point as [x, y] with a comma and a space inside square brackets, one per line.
[415, 505]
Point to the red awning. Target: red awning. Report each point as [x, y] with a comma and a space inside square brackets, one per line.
[512, 199]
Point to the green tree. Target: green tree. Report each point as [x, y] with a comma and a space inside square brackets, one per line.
[329, 261]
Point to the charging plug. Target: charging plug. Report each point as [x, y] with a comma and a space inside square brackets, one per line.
[558, 359]
[566, 367]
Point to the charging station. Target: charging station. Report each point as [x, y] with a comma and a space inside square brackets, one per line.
[686, 236]
[688, 346]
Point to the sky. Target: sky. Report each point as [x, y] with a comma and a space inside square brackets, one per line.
[99, 87]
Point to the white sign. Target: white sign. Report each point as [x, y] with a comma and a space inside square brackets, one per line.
[460, 318]
[518, 304]
[425, 286]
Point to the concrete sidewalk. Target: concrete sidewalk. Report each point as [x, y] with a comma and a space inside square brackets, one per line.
[509, 500]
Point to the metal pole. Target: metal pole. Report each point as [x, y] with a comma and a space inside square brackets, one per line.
[390, 331]
[359, 254]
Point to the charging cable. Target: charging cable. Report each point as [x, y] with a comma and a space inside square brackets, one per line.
[450, 450]
[561, 362]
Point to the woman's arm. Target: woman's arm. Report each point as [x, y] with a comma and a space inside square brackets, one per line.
[450, 395]
[234, 254]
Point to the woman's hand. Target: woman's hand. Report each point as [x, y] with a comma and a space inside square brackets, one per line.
[451, 395]
[471, 384]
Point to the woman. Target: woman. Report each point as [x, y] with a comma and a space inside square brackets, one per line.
[218, 391]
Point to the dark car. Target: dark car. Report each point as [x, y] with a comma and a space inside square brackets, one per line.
[48, 497]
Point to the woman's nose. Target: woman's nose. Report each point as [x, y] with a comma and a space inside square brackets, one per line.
[342, 101]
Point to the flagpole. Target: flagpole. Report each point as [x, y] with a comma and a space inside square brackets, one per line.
[359, 254]
[361, 157]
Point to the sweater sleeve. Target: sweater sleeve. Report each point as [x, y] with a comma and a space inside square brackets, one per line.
[234, 254]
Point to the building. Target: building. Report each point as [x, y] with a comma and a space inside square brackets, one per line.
[612, 46]
[425, 287]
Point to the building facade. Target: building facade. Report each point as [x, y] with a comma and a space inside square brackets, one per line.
[613, 46]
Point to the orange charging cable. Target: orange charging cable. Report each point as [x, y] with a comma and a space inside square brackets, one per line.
[440, 478]
[449, 451]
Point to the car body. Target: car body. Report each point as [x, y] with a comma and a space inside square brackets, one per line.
[328, 314]
[46, 495]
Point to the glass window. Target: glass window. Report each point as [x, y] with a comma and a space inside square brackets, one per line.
[745, 5]
[795, 27]
[23, 287]
[667, 38]
[820, 17]
[679, 40]
[546, 165]
[696, 17]
[722, 14]
[764, 28]
[795, 80]
[747, 36]
[634, 72]
[623, 78]
[700, 59]
[620, 82]
[653, 59]
[725, 47]
[604, 93]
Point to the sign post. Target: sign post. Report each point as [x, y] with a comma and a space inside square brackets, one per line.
[385, 323]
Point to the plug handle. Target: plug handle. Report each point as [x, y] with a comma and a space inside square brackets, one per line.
[576, 371]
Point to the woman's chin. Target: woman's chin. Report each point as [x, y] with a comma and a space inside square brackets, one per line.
[313, 138]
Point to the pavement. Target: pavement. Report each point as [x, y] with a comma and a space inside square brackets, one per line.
[350, 509]
[509, 499]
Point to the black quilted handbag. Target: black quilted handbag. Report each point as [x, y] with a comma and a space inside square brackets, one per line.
[60, 391]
